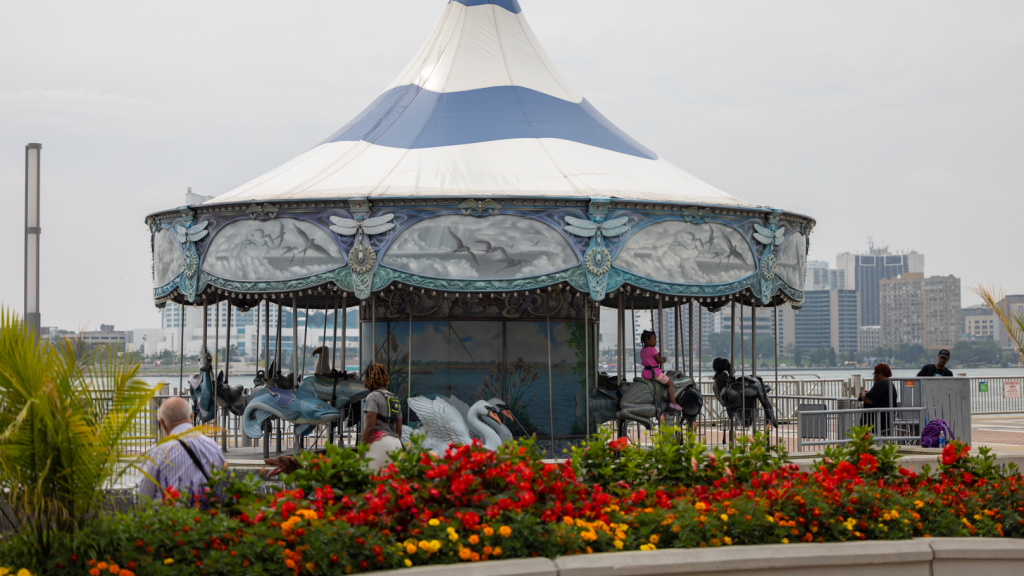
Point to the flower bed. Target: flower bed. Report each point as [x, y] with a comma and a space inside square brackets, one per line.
[471, 505]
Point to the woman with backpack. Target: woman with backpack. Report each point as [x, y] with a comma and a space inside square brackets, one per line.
[881, 395]
[382, 427]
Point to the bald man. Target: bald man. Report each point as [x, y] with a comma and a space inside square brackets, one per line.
[184, 463]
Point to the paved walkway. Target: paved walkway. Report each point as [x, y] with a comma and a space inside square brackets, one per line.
[1003, 432]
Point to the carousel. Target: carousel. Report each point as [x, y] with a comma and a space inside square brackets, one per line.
[478, 215]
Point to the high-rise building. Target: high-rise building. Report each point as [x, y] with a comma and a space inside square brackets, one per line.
[869, 338]
[919, 310]
[821, 277]
[1012, 305]
[863, 272]
[980, 323]
[828, 319]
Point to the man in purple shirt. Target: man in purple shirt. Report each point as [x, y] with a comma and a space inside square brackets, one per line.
[183, 463]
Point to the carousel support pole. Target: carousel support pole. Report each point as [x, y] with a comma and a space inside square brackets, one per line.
[334, 338]
[323, 339]
[776, 331]
[206, 321]
[621, 340]
[700, 346]
[373, 328]
[551, 394]
[279, 344]
[689, 314]
[661, 328]
[267, 427]
[295, 357]
[753, 340]
[743, 370]
[181, 350]
[216, 338]
[257, 339]
[305, 330]
[732, 340]
[227, 372]
[586, 361]
[633, 331]
[680, 345]
[266, 339]
[408, 384]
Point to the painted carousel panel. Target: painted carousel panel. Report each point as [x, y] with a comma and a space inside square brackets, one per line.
[167, 263]
[267, 251]
[467, 247]
[685, 253]
[793, 261]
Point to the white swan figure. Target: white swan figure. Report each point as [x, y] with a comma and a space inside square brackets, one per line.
[494, 423]
[441, 424]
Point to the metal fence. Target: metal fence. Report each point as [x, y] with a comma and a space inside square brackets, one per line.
[898, 425]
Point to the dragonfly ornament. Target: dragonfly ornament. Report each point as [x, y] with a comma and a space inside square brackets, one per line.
[597, 260]
[771, 236]
[188, 234]
[362, 258]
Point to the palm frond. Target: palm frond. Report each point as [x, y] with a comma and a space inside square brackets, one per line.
[1013, 322]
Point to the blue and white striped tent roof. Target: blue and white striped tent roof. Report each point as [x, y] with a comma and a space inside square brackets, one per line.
[481, 110]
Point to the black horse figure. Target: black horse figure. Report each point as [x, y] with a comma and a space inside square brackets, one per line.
[740, 396]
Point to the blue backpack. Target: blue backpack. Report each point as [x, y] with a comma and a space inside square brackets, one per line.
[933, 431]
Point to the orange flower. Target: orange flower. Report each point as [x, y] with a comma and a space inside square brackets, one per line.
[94, 572]
[474, 539]
[505, 531]
[488, 531]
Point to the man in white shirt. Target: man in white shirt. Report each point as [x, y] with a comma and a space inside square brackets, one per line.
[184, 464]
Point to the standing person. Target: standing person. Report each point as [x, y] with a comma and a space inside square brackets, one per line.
[939, 368]
[881, 395]
[382, 428]
[183, 463]
[651, 360]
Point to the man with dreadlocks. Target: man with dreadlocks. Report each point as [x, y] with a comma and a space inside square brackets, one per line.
[382, 426]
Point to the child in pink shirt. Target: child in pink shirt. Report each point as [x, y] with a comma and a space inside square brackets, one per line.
[651, 359]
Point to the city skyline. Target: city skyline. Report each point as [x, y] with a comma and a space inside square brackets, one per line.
[792, 105]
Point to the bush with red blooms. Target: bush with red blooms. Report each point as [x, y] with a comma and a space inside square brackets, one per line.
[471, 505]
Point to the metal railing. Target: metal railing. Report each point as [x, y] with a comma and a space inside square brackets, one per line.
[830, 427]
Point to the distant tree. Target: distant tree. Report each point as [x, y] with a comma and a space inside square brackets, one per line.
[831, 356]
[798, 355]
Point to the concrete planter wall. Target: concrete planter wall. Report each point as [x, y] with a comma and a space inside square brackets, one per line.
[919, 557]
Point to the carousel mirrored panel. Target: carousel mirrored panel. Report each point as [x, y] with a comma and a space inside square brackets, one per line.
[492, 248]
[280, 249]
[793, 260]
[684, 253]
[167, 263]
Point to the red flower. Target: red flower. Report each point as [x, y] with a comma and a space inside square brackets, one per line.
[868, 463]
[619, 444]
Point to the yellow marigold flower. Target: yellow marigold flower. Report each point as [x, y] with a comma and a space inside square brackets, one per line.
[618, 544]
[977, 516]
[895, 513]
[770, 519]
[24, 572]
[654, 538]
[435, 522]
[408, 562]
[620, 535]
[474, 539]
[589, 535]
[410, 549]
[168, 561]
[488, 531]
[308, 514]
[727, 540]
[453, 536]
[919, 504]
[424, 545]
[505, 531]
[449, 529]
[644, 547]
[434, 546]
[700, 506]
[724, 517]
[785, 540]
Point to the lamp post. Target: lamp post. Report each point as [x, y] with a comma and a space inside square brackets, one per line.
[32, 318]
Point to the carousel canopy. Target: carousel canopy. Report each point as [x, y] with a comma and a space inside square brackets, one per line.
[480, 110]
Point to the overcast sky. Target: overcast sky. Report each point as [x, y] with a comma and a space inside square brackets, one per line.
[898, 120]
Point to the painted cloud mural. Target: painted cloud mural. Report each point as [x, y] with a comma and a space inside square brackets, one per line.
[279, 249]
[492, 248]
[684, 253]
[167, 262]
[792, 261]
